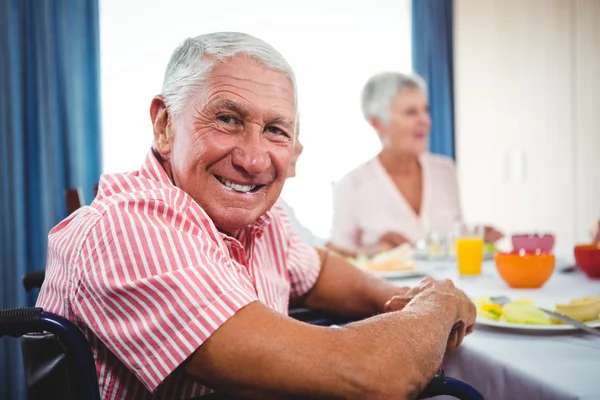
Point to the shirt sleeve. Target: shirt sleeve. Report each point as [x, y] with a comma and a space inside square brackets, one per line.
[302, 259]
[345, 231]
[154, 285]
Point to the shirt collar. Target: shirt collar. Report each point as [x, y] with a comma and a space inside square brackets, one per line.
[153, 169]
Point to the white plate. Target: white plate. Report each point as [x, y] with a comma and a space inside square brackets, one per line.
[401, 274]
[421, 269]
[531, 327]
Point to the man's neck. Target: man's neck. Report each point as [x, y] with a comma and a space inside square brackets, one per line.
[165, 164]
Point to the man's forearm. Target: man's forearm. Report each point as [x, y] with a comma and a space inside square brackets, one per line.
[391, 356]
[420, 332]
[347, 290]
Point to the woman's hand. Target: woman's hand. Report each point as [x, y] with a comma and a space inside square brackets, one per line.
[491, 234]
[391, 240]
[595, 233]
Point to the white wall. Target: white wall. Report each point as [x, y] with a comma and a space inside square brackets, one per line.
[586, 85]
[334, 47]
[527, 124]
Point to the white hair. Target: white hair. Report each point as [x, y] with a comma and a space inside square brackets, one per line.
[381, 90]
[191, 62]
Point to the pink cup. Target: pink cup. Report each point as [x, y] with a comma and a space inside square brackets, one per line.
[533, 242]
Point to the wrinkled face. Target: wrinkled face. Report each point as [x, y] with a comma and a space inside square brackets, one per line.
[231, 147]
[409, 124]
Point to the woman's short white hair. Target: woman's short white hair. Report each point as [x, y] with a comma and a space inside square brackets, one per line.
[191, 62]
[381, 90]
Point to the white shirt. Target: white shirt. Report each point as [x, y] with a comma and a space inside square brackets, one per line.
[305, 234]
[367, 204]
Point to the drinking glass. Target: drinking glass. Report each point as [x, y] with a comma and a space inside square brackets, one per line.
[469, 250]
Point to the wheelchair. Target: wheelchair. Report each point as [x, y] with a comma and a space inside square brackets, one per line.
[59, 363]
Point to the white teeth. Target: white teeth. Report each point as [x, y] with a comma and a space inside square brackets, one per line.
[236, 187]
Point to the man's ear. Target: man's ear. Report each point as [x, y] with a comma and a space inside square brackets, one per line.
[161, 121]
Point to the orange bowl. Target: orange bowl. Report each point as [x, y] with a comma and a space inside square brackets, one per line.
[525, 270]
[587, 257]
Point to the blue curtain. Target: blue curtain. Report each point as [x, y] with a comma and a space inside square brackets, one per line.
[432, 54]
[49, 139]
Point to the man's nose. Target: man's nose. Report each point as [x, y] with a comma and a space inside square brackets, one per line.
[251, 153]
[299, 148]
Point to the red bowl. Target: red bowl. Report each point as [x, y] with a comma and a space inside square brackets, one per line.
[532, 242]
[587, 257]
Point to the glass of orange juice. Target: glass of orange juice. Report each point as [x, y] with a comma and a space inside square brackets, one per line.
[469, 250]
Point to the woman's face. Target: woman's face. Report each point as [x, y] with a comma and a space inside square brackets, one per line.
[409, 123]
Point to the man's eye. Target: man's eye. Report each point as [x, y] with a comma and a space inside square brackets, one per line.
[276, 131]
[227, 119]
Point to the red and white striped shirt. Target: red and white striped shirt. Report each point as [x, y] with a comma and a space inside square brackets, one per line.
[148, 278]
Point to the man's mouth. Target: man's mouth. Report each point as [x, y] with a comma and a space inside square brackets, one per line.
[239, 187]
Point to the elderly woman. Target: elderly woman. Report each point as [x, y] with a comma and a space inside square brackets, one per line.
[404, 193]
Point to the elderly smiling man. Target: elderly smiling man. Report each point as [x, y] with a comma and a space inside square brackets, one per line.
[181, 274]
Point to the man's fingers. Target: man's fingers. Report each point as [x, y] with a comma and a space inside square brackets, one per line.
[425, 283]
[457, 334]
[460, 334]
[396, 303]
[451, 341]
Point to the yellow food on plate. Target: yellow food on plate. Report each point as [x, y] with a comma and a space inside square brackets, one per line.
[399, 259]
[487, 309]
[492, 311]
[524, 302]
[521, 311]
[389, 265]
[583, 309]
[586, 299]
[524, 314]
[524, 311]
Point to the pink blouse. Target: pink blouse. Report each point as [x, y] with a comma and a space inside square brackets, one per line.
[367, 204]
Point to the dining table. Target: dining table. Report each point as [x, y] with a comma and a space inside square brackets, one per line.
[512, 363]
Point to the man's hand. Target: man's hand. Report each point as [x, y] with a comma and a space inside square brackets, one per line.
[344, 289]
[465, 322]
[457, 335]
[392, 355]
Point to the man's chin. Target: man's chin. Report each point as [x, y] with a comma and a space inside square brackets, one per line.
[234, 221]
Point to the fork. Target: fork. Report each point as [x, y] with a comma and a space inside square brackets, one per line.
[503, 300]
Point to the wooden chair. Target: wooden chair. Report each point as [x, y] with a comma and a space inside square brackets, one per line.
[73, 200]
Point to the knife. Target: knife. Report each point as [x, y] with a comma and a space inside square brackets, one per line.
[571, 321]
